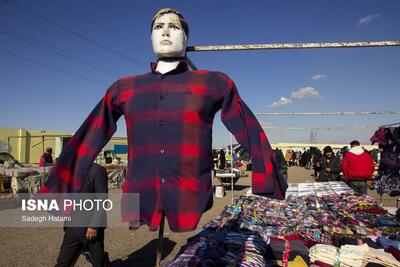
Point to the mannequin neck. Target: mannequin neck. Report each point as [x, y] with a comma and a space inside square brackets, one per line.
[168, 64]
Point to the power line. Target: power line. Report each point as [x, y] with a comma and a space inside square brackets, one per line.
[329, 113]
[51, 67]
[104, 28]
[74, 33]
[59, 52]
[313, 136]
[319, 128]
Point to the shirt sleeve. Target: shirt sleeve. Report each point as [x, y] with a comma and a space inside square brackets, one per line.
[241, 122]
[73, 163]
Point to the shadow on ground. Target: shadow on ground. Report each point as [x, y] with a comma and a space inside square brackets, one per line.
[146, 256]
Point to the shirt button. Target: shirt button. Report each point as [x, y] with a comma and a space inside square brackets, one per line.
[161, 97]
[163, 180]
[162, 151]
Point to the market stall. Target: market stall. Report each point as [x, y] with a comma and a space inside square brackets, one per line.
[318, 224]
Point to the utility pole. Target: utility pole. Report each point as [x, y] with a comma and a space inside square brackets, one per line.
[313, 136]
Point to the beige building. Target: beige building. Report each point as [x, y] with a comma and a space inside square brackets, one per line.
[28, 145]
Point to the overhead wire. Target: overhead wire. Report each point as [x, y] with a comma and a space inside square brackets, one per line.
[51, 67]
[73, 32]
[100, 26]
[59, 52]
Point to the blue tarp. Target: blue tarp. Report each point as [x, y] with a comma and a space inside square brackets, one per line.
[120, 149]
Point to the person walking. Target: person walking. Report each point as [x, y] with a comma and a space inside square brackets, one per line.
[222, 159]
[90, 239]
[281, 163]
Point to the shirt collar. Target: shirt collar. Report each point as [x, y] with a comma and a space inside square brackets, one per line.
[182, 67]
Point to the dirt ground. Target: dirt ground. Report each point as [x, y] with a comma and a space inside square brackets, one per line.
[40, 246]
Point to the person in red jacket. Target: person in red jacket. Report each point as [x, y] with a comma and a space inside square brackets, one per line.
[46, 159]
[357, 167]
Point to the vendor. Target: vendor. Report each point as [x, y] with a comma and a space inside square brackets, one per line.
[330, 166]
[46, 159]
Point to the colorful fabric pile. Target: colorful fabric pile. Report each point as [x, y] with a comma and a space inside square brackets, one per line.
[298, 231]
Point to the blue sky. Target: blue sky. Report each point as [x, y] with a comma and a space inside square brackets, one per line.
[46, 95]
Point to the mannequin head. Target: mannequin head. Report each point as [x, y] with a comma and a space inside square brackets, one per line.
[169, 32]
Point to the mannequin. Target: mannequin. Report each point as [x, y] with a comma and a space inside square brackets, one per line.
[169, 113]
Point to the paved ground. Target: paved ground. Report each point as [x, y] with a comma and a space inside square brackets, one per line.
[39, 246]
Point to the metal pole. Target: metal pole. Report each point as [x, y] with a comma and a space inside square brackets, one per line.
[44, 162]
[292, 46]
[230, 135]
[329, 113]
[160, 240]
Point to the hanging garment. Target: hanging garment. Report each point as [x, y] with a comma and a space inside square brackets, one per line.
[388, 180]
[169, 122]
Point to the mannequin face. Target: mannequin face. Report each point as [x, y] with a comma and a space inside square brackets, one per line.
[168, 37]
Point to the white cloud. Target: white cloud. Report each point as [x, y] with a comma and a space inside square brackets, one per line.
[281, 102]
[367, 20]
[302, 93]
[318, 77]
[305, 92]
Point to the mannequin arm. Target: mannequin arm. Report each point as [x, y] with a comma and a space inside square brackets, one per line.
[74, 161]
[241, 122]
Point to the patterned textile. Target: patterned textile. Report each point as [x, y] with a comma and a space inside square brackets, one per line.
[169, 122]
[292, 225]
[388, 180]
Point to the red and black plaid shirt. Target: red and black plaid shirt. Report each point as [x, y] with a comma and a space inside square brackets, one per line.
[169, 122]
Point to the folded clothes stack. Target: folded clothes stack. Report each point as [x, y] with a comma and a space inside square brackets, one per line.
[351, 256]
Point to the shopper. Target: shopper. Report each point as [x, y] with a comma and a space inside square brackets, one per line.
[358, 167]
[90, 238]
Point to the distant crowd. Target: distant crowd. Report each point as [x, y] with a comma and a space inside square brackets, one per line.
[354, 165]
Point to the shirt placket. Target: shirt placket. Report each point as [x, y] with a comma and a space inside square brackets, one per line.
[161, 127]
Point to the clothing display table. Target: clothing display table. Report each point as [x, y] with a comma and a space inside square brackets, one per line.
[318, 189]
[311, 227]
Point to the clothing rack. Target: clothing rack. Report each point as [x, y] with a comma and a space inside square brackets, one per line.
[390, 125]
[382, 127]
